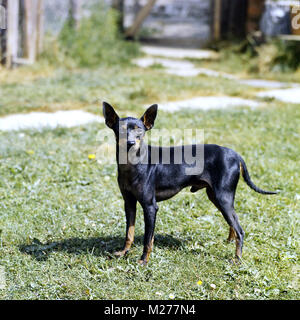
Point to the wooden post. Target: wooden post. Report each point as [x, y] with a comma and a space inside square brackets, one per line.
[12, 32]
[217, 19]
[254, 12]
[40, 26]
[3, 32]
[30, 7]
[2, 15]
[142, 15]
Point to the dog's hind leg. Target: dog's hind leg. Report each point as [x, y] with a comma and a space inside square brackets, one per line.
[232, 234]
[224, 201]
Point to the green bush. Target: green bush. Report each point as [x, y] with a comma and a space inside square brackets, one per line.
[98, 41]
[279, 55]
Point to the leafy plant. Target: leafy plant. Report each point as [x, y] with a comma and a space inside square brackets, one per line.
[98, 41]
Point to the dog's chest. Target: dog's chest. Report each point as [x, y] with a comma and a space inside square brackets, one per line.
[130, 180]
[164, 194]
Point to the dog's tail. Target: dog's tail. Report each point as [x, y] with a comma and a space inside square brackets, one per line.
[247, 179]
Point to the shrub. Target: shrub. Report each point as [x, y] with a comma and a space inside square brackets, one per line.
[279, 55]
[98, 41]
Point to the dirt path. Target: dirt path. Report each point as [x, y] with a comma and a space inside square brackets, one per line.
[174, 63]
[172, 59]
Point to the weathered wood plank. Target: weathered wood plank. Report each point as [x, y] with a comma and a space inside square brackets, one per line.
[40, 26]
[30, 7]
[12, 32]
[217, 19]
[3, 33]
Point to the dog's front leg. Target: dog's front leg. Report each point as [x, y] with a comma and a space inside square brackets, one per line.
[150, 211]
[130, 211]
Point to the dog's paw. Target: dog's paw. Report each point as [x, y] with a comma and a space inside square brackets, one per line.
[120, 253]
[236, 261]
[142, 263]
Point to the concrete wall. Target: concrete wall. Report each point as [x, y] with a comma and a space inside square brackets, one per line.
[174, 22]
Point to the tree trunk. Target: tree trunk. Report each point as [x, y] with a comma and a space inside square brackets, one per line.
[142, 15]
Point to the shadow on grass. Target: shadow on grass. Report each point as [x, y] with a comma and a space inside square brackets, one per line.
[102, 246]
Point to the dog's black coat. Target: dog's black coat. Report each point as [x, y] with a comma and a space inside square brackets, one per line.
[152, 183]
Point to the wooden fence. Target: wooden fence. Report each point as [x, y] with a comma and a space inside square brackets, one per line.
[21, 39]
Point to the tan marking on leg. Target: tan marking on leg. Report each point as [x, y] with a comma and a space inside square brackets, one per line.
[129, 238]
[238, 250]
[232, 234]
[149, 249]
[128, 243]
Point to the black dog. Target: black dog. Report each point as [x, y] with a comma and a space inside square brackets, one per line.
[149, 183]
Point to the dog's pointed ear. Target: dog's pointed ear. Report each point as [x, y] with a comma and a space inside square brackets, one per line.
[149, 117]
[110, 115]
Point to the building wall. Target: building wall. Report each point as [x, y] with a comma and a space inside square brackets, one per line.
[174, 22]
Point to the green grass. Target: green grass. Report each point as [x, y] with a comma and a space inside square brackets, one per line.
[128, 88]
[61, 215]
[246, 66]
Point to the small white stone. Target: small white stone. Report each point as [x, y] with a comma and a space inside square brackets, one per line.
[44, 120]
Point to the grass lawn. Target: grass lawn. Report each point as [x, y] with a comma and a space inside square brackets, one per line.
[61, 214]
